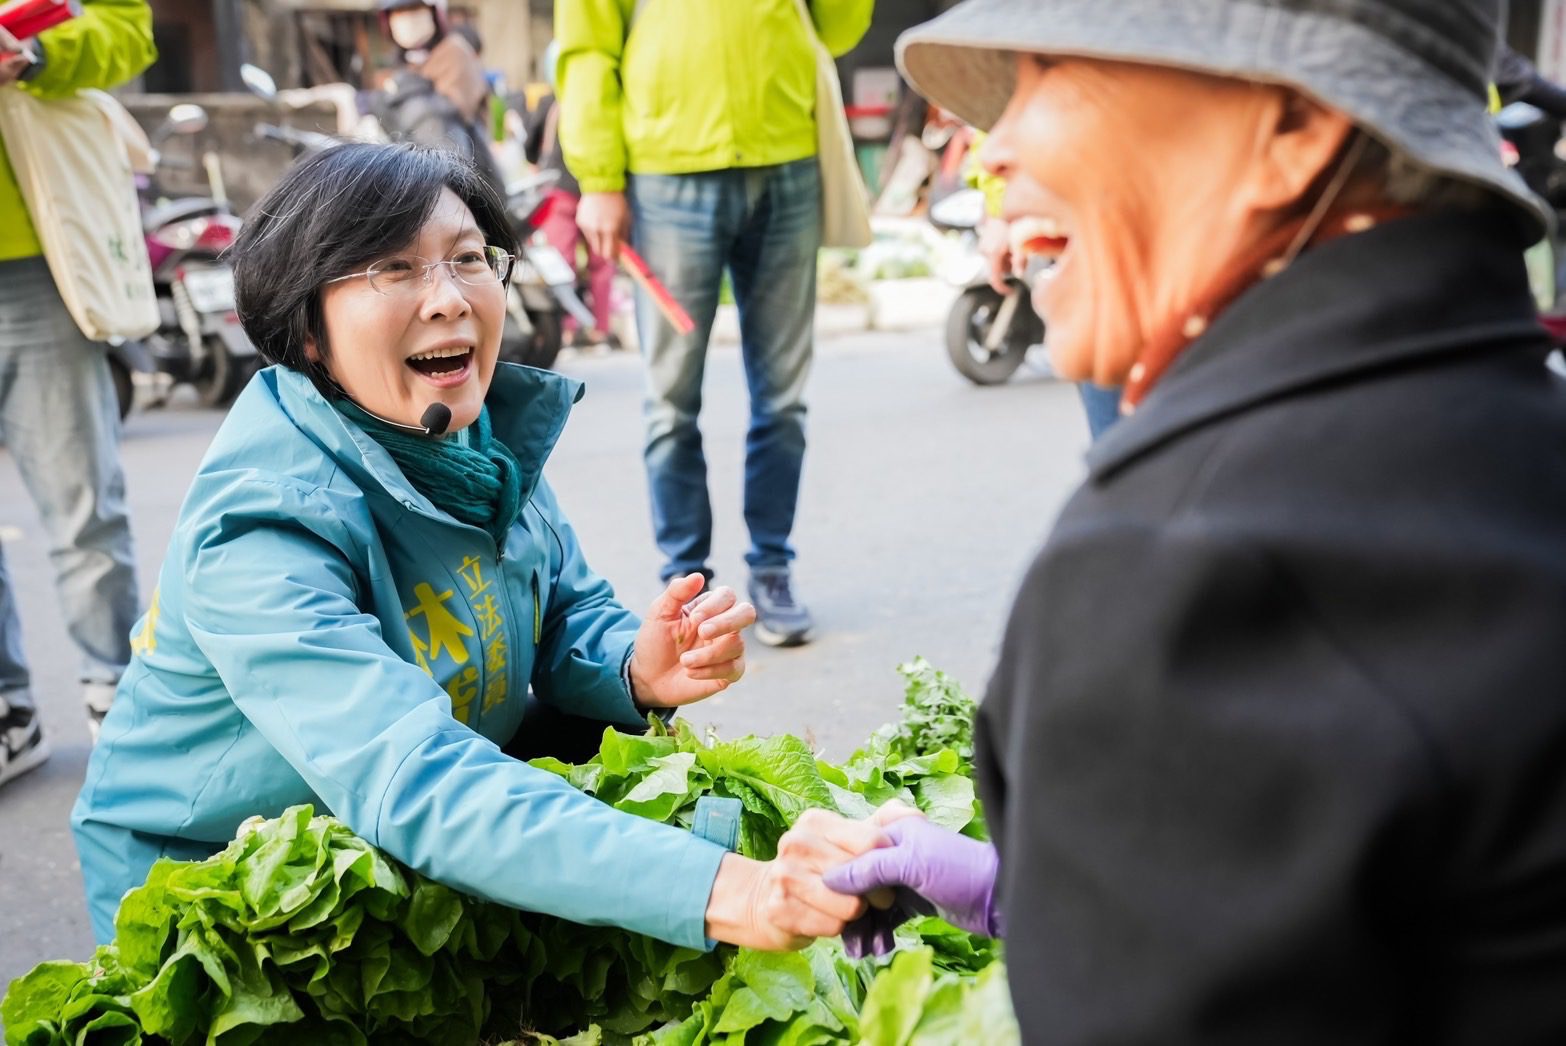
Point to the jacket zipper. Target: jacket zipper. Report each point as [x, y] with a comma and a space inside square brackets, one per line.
[538, 614]
[505, 595]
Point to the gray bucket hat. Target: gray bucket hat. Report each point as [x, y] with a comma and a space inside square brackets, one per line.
[1413, 73]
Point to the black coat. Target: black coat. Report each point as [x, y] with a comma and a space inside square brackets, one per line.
[411, 110]
[1276, 748]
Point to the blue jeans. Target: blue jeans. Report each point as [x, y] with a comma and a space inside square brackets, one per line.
[61, 424]
[764, 225]
[1101, 405]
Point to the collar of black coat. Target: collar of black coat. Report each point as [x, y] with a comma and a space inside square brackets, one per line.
[1428, 285]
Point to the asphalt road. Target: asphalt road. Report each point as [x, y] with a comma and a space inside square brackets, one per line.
[923, 499]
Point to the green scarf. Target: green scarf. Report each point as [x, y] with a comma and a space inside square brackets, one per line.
[479, 483]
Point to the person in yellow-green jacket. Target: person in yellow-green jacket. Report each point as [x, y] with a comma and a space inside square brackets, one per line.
[58, 414]
[691, 126]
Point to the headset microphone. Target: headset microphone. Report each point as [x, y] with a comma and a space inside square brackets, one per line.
[433, 422]
[435, 419]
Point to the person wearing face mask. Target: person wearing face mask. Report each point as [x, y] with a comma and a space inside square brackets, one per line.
[369, 574]
[1272, 752]
[438, 96]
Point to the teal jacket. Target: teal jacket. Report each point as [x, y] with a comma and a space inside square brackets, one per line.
[321, 633]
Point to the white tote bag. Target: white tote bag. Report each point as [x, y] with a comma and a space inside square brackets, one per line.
[845, 204]
[76, 179]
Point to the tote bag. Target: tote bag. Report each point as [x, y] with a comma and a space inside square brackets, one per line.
[76, 180]
[845, 204]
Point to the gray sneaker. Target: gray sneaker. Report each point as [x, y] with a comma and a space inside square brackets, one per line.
[781, 620]
[22, 744]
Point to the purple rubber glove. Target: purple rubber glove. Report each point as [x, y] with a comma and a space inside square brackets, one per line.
[933, 870]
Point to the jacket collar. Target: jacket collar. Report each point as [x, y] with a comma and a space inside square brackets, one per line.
[1417, 287]
[528, 410]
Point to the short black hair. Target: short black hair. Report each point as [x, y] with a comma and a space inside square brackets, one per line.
[333, 214]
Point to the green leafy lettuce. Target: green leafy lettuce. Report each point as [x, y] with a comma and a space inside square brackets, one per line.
[301, 931]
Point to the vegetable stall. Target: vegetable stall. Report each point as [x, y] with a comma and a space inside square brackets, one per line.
[299, 931]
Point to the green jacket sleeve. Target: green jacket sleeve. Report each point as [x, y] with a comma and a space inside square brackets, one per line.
[841, 23]
[592, 36]
[108, 44]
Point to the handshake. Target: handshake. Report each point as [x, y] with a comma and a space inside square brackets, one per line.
[859, 879]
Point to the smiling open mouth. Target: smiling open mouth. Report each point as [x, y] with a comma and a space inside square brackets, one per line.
[438, 362]
[1038, 237]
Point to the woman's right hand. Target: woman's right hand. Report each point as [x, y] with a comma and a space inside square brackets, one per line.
[782, 904]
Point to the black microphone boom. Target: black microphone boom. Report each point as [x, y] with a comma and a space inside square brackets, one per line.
[435, 419]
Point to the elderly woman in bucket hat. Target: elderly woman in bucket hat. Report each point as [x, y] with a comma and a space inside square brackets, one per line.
[1275, 751]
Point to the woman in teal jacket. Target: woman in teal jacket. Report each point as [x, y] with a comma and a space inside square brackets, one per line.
[368, 574]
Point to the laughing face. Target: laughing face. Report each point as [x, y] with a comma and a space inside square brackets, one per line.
[1140, 182]
[415, 333]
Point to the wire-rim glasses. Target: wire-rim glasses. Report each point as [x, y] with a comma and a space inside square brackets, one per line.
[407, 273]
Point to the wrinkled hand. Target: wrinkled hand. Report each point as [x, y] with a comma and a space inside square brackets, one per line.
[605, 219]
[995, 248]
[782, 904]
[933, 871]
[689, 651]
[457, 73]
[12, 62]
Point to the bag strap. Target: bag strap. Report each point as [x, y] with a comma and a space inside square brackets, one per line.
[804, 13]
[546, 143]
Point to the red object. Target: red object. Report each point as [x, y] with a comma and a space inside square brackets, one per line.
[853, 111]
[25, 18]
[1555, 325]
[633, 264]
[559, 228]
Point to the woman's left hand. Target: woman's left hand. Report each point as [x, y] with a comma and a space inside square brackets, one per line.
[687, 651]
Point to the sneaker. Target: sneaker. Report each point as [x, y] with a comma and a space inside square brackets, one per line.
[781, 620]
[22, 744]
[98, 697]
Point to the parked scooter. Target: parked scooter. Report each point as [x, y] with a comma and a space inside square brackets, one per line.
[199, 340]
[544, 284]
[988, 334]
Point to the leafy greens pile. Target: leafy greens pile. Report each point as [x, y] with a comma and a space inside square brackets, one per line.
[301, 931]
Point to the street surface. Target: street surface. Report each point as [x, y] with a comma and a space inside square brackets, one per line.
[924, 497]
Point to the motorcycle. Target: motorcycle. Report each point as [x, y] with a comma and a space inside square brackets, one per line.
[544, 285]
[988, 334]
[199, 340]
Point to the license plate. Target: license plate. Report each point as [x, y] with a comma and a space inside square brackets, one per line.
[210, 290]
[550, 265]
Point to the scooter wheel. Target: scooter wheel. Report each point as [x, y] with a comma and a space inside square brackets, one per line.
[968, 329]
[540, 348]
[223, 375]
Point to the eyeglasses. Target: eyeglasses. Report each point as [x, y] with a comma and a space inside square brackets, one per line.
[408, 273]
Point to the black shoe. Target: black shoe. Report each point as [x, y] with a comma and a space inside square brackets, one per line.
[22, 744]
[781, 620]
